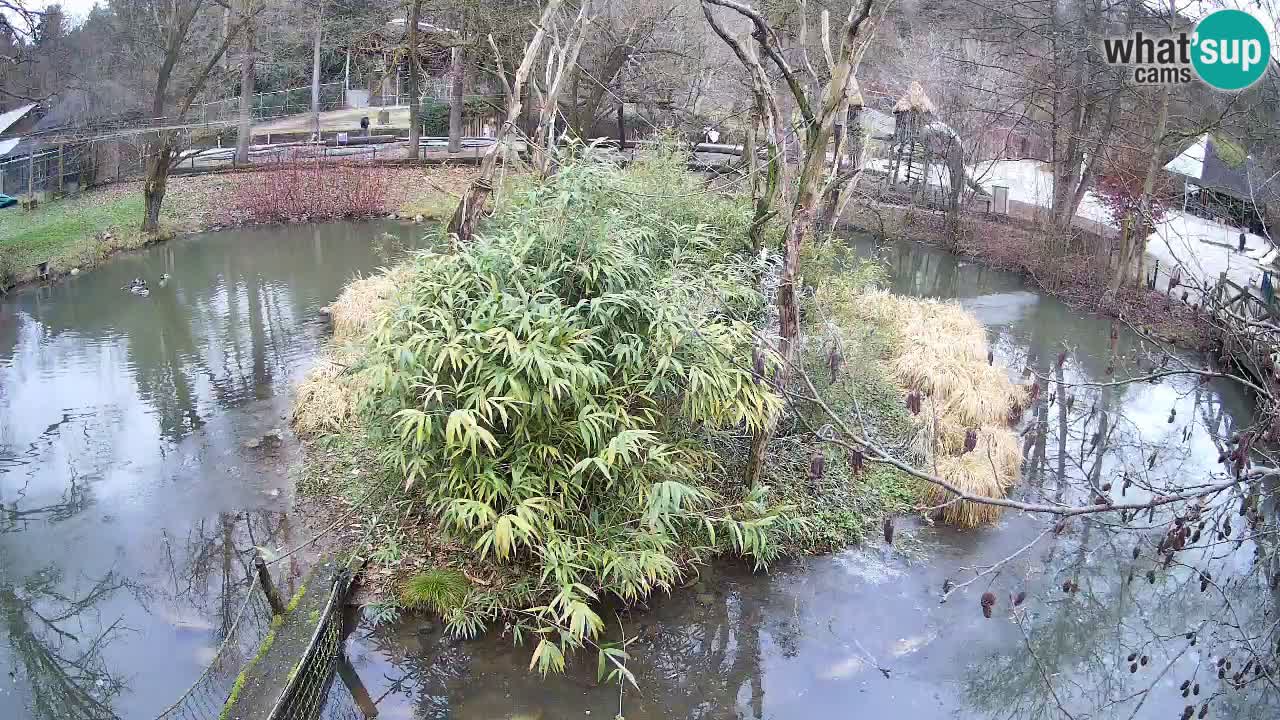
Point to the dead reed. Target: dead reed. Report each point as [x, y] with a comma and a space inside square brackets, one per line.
[326, 399]
[942, 352]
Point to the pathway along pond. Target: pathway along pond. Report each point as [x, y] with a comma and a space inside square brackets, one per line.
[131, 505]
[129, 502]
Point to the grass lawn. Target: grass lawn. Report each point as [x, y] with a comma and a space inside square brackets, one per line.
[66, 232]
[70, 233]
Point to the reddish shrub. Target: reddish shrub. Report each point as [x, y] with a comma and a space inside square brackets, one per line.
[1119, 187]
[308, 188]
[1122, 194]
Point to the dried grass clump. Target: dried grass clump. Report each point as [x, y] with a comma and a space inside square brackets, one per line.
[326, 399]
[972, 473]
[358, 307]
[994, 441]
[942, 352]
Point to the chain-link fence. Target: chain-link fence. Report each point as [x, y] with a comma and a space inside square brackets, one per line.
[205, 698]
[270, 105]
[309, 683]
[62, 169]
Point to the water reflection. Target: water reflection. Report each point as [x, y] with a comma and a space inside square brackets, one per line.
[862, 633]
[124, 470]
[58, 639]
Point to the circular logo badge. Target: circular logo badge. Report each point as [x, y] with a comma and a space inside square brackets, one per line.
[1231, 50]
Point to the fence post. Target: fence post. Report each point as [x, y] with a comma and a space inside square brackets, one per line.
[358, 691]
[31, 176]
[60, 167]
[268, 587]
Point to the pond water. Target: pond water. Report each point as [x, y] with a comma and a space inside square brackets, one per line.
[129, 502]
[862, 633]
[130, 506]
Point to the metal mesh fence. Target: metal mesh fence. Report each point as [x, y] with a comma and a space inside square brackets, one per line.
[53, 170]
[267, 106]
[340, 705]
[310, 682]
[243, 665]
[204, 699]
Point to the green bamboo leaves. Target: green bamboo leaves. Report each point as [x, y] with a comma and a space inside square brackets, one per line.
[559, 391]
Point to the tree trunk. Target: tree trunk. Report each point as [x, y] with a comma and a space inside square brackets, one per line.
[157, 180]
[1133, 239]
[561, 60]
[415, 122]
[472, 206]
[844, 179]
[457, 98]
[244, 132]
[797, 233]
[162, 145]
[955, 175]
[831, 191]
[315, 71]
[622, 118]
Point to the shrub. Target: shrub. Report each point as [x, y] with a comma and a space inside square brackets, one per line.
[444, 591]
[556, 392]
[307, 188]
[435, 114]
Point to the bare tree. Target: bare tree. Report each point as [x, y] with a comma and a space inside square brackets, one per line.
[1052, 78]
[818, 105]
[475, 200]
[18, 24]
[179, 43]
[562, 58]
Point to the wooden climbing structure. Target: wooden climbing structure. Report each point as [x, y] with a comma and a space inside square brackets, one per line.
[909, 156]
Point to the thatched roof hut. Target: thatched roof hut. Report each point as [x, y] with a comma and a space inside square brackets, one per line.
[914, 101]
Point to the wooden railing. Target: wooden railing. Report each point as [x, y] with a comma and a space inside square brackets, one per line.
[1249, 322]
[1249, 303]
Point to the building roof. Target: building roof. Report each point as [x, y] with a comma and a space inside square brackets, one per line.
[878, 124]
[7, 145]
[9, 118]
[915, 100]
[1221, 165]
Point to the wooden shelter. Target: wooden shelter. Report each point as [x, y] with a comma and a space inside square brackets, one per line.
[908, 154]
[1222, 182]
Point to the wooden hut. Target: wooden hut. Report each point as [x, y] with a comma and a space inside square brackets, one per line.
[909, 156]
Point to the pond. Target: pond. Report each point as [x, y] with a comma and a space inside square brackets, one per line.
[134, 487]
[862, 633]
[130, 502]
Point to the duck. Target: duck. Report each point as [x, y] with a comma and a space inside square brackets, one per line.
[164, 279]
[138, 287]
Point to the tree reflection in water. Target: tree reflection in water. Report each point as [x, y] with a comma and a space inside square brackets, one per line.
[58, 639]
[1078, 645]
